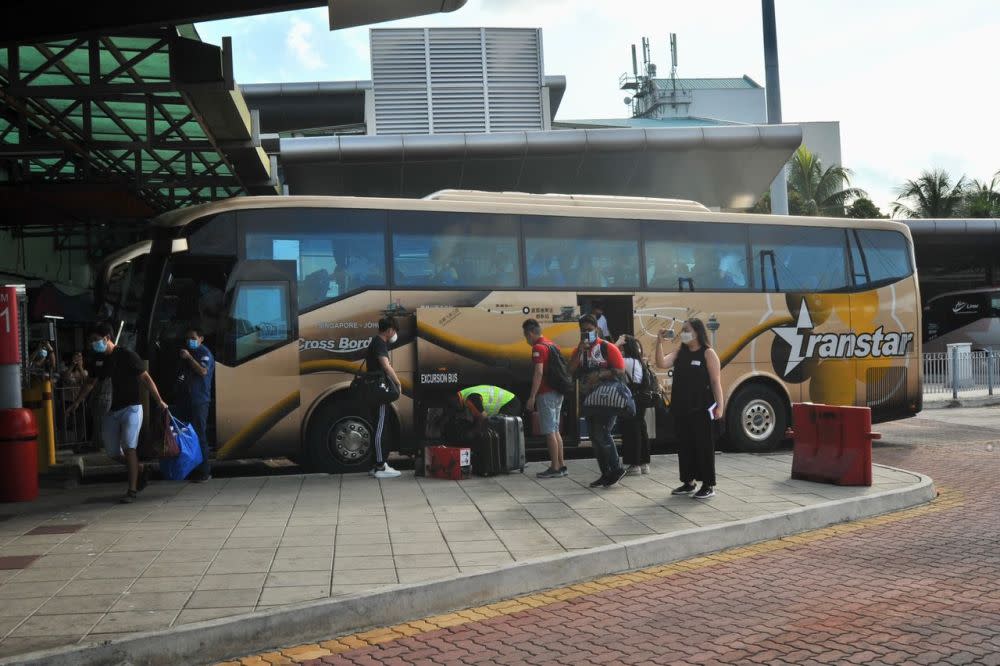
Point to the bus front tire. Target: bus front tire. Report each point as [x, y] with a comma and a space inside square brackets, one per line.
[338, 439]
[756, 419]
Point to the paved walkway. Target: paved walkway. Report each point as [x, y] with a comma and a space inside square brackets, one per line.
[75, 566]
[918, 586]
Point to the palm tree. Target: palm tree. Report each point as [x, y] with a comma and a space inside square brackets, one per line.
[982, 199]
[930, 195]
[820, 190]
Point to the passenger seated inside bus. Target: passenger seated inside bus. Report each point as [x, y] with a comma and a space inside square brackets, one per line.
[443, 271]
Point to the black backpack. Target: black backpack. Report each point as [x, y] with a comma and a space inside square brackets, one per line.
[557, 372]
[646, 393]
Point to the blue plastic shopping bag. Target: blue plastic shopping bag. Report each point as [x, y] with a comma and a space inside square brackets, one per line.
[178, 468]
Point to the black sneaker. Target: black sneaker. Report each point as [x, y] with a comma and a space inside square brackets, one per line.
[128, 497]
[615, 477]
[143, 478]
[705, 492]
[549, 473]
[563, 471]
[686, 489]
[597, 483]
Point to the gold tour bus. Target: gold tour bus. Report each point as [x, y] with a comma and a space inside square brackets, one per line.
[288, 291]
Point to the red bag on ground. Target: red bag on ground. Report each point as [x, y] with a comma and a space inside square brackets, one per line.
[448, 462]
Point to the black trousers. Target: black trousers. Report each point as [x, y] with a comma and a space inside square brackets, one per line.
[696, 434]
[635, 439]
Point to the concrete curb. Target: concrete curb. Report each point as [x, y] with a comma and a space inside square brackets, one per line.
[992, 401]
[216, 640]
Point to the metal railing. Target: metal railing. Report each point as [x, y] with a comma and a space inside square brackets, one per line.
[74, 428]
[954, 374]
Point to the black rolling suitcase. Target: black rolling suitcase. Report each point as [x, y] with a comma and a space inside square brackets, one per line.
[488, 457]
[510, 429]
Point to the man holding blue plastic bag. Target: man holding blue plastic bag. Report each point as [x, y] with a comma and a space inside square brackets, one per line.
[194, 384]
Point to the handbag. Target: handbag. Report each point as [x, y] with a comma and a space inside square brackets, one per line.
[374, 387]
[610, 397]
[162, 440]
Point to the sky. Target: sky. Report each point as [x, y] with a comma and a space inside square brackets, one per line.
[912, 82]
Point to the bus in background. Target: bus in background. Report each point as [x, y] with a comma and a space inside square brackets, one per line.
[971, 316]
[288, 291]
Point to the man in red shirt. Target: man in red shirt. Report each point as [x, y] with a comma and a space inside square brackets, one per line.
[594, 362]
[543, 396]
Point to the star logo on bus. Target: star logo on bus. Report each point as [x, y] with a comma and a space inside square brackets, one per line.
[795, 338]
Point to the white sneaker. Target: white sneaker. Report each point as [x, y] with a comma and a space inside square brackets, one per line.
[633, 470]
[645, 469]
[387, 472]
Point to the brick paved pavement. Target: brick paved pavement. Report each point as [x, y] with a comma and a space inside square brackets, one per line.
[921, 586]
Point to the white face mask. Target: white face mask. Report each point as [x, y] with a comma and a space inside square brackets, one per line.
[687, 336]
[392, 340]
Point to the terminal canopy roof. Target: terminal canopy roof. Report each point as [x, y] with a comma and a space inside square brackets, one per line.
[30, 21]
[141, 122]
[721, 167]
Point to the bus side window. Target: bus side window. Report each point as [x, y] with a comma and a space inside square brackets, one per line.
[260, 318]
[885, 255]
[805, 258]
[581, 253]
[696, 257]
[454, 250]
[336, 251]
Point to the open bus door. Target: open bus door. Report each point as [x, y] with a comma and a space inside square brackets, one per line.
[257, 370]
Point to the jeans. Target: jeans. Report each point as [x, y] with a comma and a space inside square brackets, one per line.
[197, 416]
[604, 446]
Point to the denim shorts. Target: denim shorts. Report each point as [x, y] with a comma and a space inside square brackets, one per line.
[120, 430]
[548, 405]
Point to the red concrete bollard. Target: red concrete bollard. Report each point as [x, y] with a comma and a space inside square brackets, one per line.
[18, 455]
[832, 444]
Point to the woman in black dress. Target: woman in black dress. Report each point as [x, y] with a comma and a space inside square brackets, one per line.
[696, 405]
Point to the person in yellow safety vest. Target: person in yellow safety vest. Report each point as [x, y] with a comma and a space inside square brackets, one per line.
[484, 401]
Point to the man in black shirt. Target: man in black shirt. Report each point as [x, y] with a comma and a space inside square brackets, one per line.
[377, 359]
[120, 426]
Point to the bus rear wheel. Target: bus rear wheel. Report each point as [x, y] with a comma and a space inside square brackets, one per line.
[338, 439]
[756, 419]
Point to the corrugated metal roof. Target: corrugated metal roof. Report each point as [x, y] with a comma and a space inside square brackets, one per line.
[708, 84]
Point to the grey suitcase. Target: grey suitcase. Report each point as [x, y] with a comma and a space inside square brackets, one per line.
[511, 432]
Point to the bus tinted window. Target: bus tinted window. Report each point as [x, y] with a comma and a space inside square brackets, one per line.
[336, 251]
[261, 320]
[584, 253]
[696, 257]
[886, 254]
[787, 258]
[454, 250]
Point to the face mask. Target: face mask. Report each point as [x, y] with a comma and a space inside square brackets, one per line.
[590, 336]
[99, 346]
[687, 336]
[392, 340]
[193, 344]
[42, 353]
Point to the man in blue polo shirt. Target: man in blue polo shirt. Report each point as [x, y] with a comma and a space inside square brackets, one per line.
[194, 383]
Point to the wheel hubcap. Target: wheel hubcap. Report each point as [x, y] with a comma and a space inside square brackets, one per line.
[350, 439]
[758, 420]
